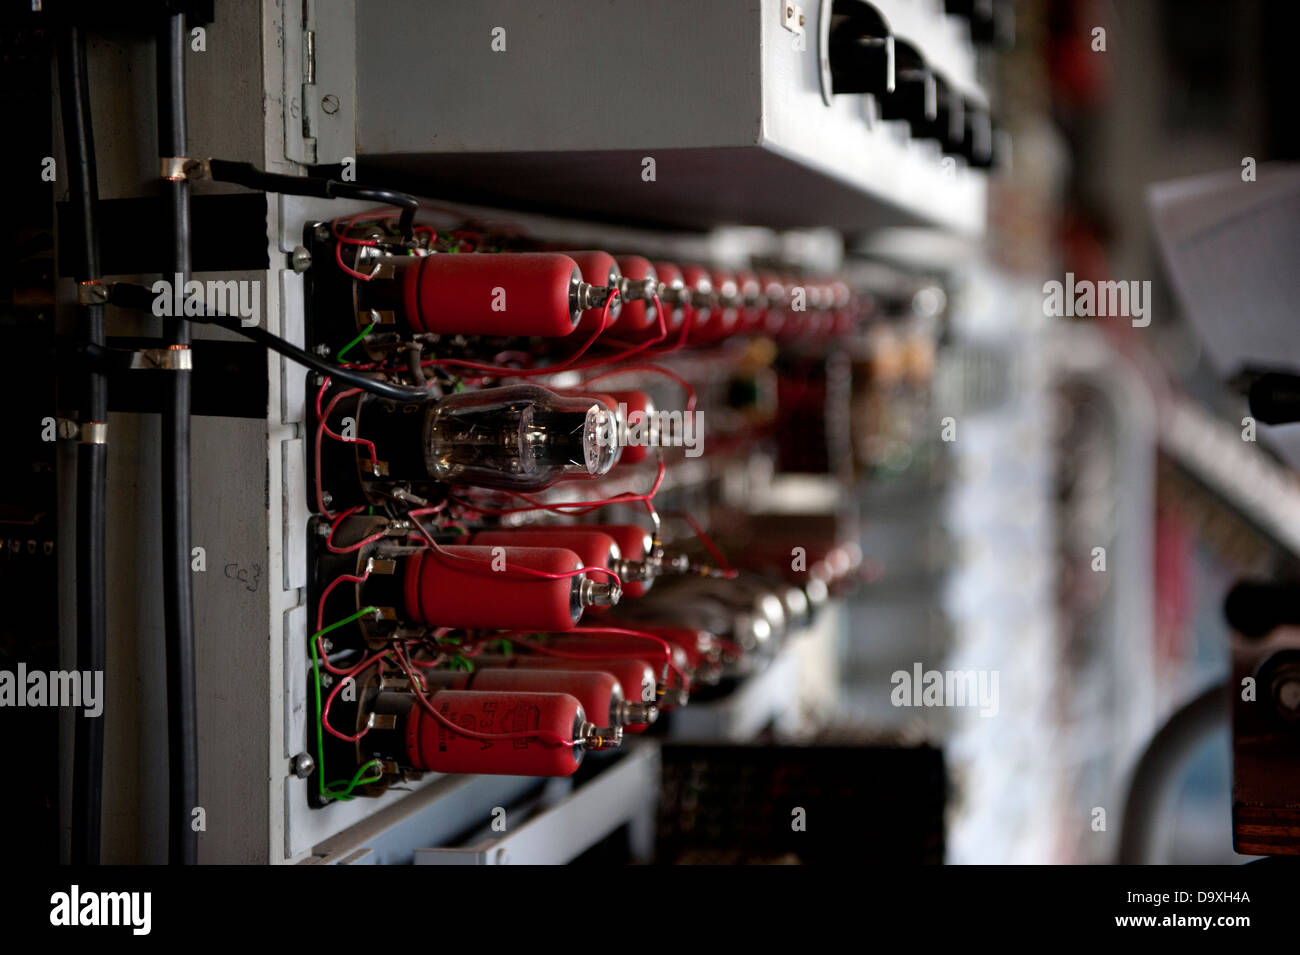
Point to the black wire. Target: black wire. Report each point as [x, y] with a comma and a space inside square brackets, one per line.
[350, 376]
[91, 594]
[178, 586]
[246, 174]
[129, 295]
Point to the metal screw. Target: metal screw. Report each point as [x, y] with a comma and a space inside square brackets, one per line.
[330, 104]
[326, 680]
[322, 232]
[327, 498]
[322, 349]
[303, 765]
[301, 260]
[327, 645]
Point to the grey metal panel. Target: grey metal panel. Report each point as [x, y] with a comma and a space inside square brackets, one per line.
[720, 95]
[574, 75]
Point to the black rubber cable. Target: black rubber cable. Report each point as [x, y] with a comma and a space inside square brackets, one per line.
[178, 585]
[92, 472]
[246, 174]
[129, 295]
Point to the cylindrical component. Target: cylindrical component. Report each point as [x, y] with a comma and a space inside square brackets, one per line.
[724, 316]
[599, 691]
[595, 548]
[698, 646]
[776, 298]
[750, 290]
[484, 588]
[521, 437]
[915, 95]
[673, 294]
[637, 678]
[598, 268]
[861, 54]
[433, 746]
[617, 644]
[635, 543]
[638, 425]
[508, 293]
[700, 288]
[638, 287]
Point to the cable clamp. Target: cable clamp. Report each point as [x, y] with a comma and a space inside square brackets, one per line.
[90, 432]
[172, 358]
[182, 168]
[92, 292]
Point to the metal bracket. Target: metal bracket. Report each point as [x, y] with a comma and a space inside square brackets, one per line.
[92, 292]
[173, 358]
[319, 92]
[90, 432]
[182, 168]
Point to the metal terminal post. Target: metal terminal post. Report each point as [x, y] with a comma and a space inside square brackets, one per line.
[595, 738]
[637, 713]
[599, 593]
[637, 290]
[586, 296]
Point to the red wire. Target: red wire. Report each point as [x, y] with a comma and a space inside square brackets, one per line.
[503, 372]
[686, 385]
[567, 507]
[542, 735]
[329, 541]
[444, 556]
[329, 700]
[726, 568]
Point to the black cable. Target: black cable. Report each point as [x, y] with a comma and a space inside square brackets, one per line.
[92, 472]
[129, 295]
[178, 587]
[246, 174]
[352, 377]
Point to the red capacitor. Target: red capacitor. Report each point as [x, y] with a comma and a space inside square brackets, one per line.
[441, 591]
[634, 675]
[635, 543]
[724, 317]
[695, 644]
[699, 311]
[751, 292]
[594, 548]
[617, 644]
[670, 276]
[637, 315]
[598, 268]
[598, 691]
[432, 746]
[642, 426]
[508, 293]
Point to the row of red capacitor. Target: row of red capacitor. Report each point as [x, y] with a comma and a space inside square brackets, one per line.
[554, 294]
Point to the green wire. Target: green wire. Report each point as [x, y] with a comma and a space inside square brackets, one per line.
[325, 793]
[350, 345]
[356, 781]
